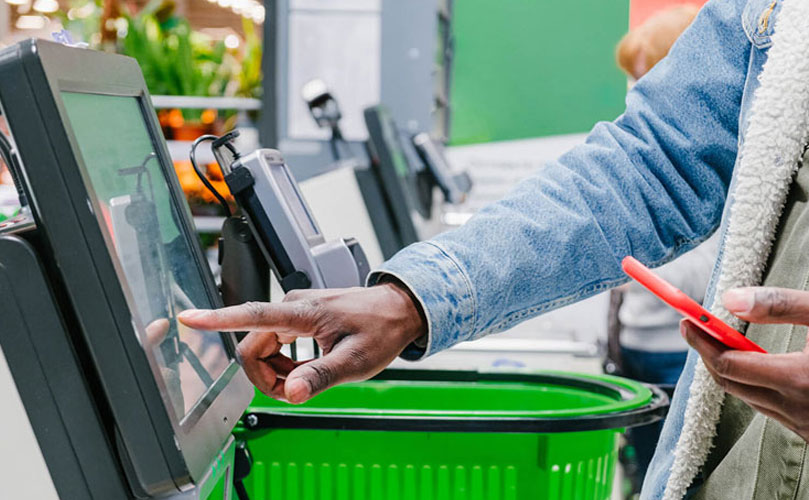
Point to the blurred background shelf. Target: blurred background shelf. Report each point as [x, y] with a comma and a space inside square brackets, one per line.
[195, 102]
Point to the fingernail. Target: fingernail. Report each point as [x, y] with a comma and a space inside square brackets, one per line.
[297, 391]
[192, 314]
[739, 300]
[682, 329]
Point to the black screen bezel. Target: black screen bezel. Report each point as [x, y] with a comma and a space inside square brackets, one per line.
[394, 187]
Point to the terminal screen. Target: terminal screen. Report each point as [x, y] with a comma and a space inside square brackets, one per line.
[294, 200]
[153, 256]
[391, 137]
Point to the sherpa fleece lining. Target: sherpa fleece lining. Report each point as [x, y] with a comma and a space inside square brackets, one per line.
[773, 145]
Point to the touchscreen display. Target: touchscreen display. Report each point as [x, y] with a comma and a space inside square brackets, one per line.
[391, 138]
[294, 200]
[155, 264]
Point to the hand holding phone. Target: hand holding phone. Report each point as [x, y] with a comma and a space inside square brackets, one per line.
[688, 307]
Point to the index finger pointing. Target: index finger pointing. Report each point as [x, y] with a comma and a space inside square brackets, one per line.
[290, 318]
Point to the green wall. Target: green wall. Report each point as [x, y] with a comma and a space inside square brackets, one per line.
[528, 68]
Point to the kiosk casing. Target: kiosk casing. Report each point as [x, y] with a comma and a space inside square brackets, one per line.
[140, 398]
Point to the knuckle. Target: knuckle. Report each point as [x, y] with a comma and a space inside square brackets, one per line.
[217, 314]
[313, 312]
[357, 360]
[722, 365]
[777, 303]
[257, 311]
[322, 376]
[294, 295]
[303, 310]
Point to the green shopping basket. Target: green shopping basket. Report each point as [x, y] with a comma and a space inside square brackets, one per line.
[447, 435]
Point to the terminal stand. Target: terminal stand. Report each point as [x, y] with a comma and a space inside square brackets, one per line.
[245, 271]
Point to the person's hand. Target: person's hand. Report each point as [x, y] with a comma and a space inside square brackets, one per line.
[359, 330]
[776, 385]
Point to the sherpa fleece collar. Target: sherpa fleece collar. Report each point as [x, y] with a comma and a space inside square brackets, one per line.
[774, 140]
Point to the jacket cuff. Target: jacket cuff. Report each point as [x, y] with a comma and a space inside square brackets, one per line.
[443, 291]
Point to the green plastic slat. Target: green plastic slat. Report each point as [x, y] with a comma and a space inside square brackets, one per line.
[292, 483]
[590, 482]
[377, 493]
[258, 479]
[410, 487]
[276, 481]
[427, 483]
[309, 486]
[394, 488]
[360, 484]
[476, 483]
[443, 483]
[495, 488]
[579, 480]
[511, 487]
[326, 485]
[461, 491]
[343, 482]
[554, 482]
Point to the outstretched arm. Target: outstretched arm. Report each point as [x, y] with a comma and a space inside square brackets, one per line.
[651, 184]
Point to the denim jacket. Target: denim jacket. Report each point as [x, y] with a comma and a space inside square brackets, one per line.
[653, 184]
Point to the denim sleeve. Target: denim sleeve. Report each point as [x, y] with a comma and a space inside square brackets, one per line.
[651, 184]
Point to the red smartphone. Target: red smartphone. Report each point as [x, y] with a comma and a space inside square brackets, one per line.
[688, 307]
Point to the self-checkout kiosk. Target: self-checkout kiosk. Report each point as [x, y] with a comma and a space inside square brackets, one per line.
[123, 401]
[399, 187]
[113, 397]
[401, 175]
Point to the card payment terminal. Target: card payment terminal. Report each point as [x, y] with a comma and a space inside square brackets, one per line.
[283, 224]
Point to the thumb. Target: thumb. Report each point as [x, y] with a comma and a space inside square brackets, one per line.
[343, 363]
[768, 305]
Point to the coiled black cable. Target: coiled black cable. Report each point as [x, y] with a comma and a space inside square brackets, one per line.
[203, 177]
